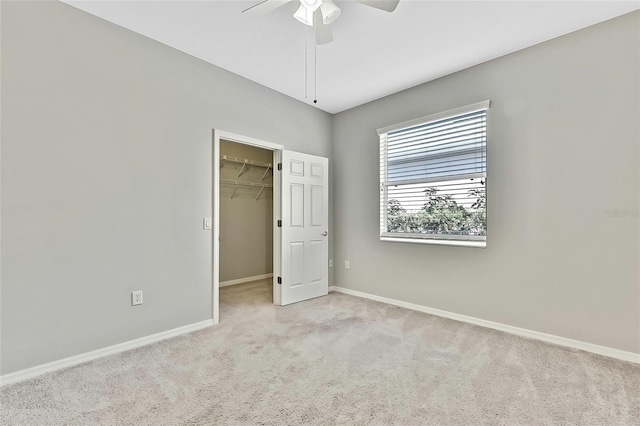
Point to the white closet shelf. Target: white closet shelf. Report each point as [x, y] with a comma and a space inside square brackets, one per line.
[239, 183]
[245, 162]
[245, 183]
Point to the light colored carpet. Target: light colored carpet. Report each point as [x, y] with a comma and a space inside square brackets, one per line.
[333, 360]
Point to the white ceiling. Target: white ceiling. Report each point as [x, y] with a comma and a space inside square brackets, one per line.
[374, 53]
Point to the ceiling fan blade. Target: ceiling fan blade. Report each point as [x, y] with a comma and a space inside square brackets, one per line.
[265, 7]
[387, 5]
[323, 32]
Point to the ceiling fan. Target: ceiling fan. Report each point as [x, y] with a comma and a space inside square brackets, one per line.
[318, 13]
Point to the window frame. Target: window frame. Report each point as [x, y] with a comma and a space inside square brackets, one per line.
[436, 239]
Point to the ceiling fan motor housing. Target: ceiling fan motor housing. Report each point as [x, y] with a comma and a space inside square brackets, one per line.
[328, 9]
[311, 5]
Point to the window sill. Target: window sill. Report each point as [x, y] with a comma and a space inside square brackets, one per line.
[459, 243]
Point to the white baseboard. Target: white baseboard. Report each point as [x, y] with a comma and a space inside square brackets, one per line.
[245, 280]
[550, 338]
[29, 373]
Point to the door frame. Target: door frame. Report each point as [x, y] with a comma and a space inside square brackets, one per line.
[215, 265]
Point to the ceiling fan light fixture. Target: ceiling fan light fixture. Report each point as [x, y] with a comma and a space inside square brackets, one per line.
[330, 11]
[304, 15]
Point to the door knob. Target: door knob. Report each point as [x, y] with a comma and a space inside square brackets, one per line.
[325, 233]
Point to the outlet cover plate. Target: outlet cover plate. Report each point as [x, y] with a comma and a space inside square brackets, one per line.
[136, 298]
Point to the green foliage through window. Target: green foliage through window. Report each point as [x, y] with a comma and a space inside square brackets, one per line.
[441, 214]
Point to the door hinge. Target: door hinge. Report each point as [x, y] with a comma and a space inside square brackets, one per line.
[279, 280]
[279, 166]
[279, 223]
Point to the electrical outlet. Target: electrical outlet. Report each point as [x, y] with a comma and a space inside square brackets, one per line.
[136, 298]
[330, 263]
[346, 264]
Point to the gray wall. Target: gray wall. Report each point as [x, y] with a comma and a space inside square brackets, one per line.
[246, 224]
[563, 148]
[106, 176]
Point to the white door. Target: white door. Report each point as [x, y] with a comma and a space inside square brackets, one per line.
[305, 225]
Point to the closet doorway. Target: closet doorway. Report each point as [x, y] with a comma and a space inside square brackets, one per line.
[295, 188]
[247, 205]
[246, 213]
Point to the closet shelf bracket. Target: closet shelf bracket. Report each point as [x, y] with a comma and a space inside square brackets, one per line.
[234, 191]
[264, 176]
[244, 165]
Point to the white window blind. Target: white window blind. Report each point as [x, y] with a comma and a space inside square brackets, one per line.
[433, 177]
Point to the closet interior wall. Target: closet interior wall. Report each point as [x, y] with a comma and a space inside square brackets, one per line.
[246, 212]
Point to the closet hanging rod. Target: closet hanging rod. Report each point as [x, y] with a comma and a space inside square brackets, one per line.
[245, 161]
[239, 182]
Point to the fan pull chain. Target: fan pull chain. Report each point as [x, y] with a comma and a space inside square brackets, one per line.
[315, 73]
[306, 59]
[307, 67]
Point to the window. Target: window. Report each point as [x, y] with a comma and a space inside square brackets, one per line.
[433, 178]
